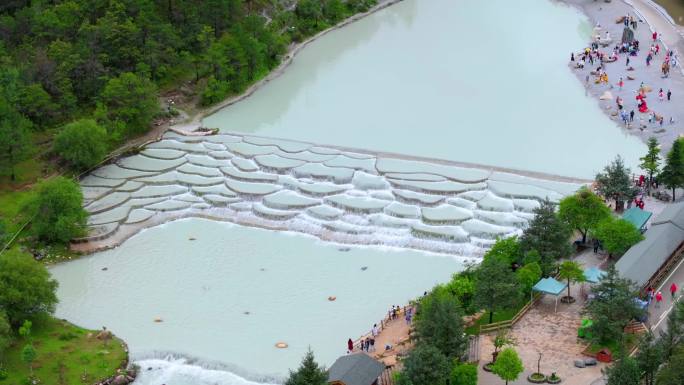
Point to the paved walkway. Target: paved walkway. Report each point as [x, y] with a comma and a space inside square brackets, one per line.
[395, 333]
[554, 334]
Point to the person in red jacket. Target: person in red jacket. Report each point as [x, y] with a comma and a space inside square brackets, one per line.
[673, 289]
[659, 298]
[350, 346]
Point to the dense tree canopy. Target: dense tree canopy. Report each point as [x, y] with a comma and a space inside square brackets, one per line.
[127, 104]
[548, 235]
[612, 307]
[496, 287]
[617, 235]
[440, 324]
[583, 211]
[59, 215]
[15, 140]
[26, 288]
[625, 371]
[82, 144]
[70, 59]
[425, 365]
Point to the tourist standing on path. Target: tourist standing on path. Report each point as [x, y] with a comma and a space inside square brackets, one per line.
[655, 36]
[661, 95]
[649, 295]
[631, 116]
[350, 346]
[673, 290]
[659, 299]
[374, 331]
[669, 95]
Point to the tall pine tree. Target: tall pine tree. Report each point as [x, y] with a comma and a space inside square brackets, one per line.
[651, 161]
[615, 183]
[673, 172]
[308, 373]
[548, 235]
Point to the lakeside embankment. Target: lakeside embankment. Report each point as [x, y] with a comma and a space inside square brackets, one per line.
[637, 72]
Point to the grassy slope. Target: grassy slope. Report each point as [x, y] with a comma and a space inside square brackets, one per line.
[65, 355]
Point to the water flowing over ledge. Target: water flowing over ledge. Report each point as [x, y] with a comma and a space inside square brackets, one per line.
[339, 195]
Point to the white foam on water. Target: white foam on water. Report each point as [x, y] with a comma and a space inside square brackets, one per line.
[172, 370]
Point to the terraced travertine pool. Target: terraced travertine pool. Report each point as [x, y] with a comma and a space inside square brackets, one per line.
[336, 195]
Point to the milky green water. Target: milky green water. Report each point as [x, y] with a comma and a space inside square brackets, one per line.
[476, 81]
[232, 293]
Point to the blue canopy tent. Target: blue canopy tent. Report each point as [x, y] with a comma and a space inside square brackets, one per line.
[550, 286]
[593, 274]
[637, 217]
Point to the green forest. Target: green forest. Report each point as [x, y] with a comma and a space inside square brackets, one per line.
[108, 61]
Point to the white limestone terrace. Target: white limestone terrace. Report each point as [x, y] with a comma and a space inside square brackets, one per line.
[339, 195]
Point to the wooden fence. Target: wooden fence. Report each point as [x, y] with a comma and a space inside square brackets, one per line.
[492, 327]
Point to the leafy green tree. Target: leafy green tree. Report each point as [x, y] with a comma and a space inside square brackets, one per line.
[36, 104]
[624, 371]
[672, 174]
[15, 140]
[82, 143]
[308, 373]
[440, 324]
[5, 334]
[214, 91]
[425, 365]
[617, 235]
[309, 17]
[25, 330]
[673, 371]
[583, 211]
[508, 365]
[548, 235]
[613, 307]
[503, 338]
[462, 287]
[572, 272]
[28, 355]
[674, 332]
[26, 288]
[506, 250]
[59, 216]
[649, 357]
[463, 374]
[334, 10]
[615, 183]
[651, 161]
[496, 286]
[528, 276]
[128, 104]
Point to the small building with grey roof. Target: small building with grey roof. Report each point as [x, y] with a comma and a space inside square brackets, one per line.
[355, 369]
[663, 243]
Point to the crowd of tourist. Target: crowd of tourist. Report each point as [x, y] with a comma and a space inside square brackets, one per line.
[595, 57]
